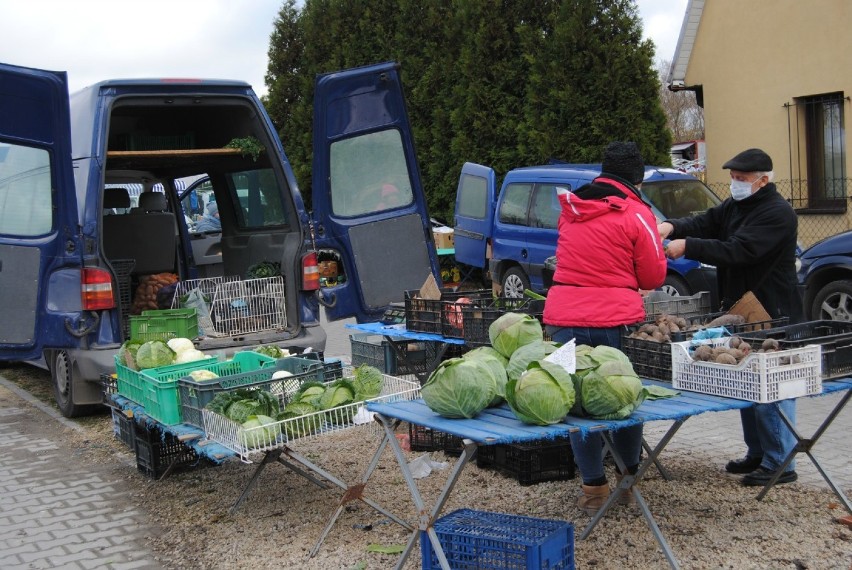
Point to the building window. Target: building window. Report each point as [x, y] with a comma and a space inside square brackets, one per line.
[820, 151]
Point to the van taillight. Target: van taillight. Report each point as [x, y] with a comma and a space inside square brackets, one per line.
[97, 290]
[310, 272]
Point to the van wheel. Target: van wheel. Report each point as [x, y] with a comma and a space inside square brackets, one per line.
[62, 375]
[515, 281]
[676, 286]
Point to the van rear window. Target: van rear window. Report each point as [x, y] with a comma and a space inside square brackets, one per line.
[26, 203]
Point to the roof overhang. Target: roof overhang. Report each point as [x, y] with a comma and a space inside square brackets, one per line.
[685, 42]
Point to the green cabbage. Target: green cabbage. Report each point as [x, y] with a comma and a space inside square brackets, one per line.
[337, 394]
[609, 389]
[254, 435]
[543, 395]
[496, 362]
[307, 425]
[153, 354]
[272, 350]
[127, 353]
[310, 392]
[526, 355]
[367, 382]
[459, 388]
[513, 330]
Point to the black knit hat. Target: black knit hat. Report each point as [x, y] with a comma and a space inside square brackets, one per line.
[623, 159]
[751, 160]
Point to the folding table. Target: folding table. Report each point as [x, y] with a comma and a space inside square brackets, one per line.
[499, 426]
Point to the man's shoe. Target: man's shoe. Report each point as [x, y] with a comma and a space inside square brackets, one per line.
[761, 476]
[745, 465]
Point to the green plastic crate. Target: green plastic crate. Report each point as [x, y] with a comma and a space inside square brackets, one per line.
[195, 395]
[164, 324]
[156, 389]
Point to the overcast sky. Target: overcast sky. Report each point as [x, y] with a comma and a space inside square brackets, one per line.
[216, 39]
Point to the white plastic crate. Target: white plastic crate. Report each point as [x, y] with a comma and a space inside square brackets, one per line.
[246, 442]
[761, 376]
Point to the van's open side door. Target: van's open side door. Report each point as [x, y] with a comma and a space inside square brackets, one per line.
[39, 239]
[474, 214]
[369, 206]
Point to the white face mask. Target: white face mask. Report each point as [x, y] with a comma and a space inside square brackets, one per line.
[740, 189]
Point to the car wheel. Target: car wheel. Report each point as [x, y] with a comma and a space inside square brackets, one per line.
[515, 281]
[62, 376]
[676, 286]
[833, 302]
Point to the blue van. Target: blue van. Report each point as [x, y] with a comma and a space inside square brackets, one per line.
[510, 235]
[74, 249]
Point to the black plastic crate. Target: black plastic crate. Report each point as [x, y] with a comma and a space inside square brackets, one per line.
[398, 357]
[426, 439]
[653, 360]
[530, 463]
[427, 315]
[835, 338]
[122, 427]
[159, 452]
[477, 320]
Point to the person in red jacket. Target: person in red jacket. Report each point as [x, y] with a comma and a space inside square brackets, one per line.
[607, 250]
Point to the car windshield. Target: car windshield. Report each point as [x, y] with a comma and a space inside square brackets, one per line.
[680, 198]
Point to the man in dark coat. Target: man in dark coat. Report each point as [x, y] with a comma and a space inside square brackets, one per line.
[751, 239]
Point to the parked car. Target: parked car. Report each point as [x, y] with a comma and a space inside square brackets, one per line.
[513, 233]
[825, 279]
[72, 255]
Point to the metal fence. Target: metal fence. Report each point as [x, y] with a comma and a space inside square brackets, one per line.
[815, 223]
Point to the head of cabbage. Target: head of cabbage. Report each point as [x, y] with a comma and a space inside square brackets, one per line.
[542, 395]
[608, 388]
[527, 354]
[154, 353]
[513, 330]
[497, 363]
[459, 388]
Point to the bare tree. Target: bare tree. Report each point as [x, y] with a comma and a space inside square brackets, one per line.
[684, 118]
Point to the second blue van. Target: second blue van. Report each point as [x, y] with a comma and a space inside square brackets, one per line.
[511, 234]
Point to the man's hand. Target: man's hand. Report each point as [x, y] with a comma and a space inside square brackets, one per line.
[665, 229]
[676, 248]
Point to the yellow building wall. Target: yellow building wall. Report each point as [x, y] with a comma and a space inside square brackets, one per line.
[753, 57]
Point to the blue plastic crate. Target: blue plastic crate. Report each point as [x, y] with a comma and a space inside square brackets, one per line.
[478, 540]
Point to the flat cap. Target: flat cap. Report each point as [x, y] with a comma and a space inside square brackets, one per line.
[751, 160]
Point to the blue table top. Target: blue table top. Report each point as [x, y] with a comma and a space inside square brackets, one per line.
[400, 330]
[499, 425]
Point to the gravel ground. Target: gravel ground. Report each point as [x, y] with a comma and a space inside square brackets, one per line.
[709, 519]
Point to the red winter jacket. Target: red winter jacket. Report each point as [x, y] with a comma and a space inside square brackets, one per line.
[608, 248]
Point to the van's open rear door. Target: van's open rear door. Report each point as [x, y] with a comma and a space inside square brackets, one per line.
[474, 217]
[369, 205]
[38, 211]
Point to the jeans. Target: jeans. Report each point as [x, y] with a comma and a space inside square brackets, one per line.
[588, 451]
[766, 435]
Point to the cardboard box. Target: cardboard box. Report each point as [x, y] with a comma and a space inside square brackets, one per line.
[444, 238]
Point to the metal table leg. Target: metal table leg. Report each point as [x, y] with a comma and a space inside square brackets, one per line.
[426, 516]
[630, 483]
[804, 444]
[353, 492]
[273, 456]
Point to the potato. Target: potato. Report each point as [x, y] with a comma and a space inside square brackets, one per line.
[770, 344]
[702, 353]
[725, 358]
